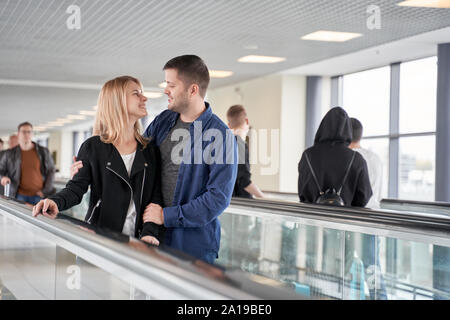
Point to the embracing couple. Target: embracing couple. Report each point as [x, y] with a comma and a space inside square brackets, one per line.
[136, 186]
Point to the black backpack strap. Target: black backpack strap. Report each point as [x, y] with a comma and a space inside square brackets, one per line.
[313, 174]
[346, 174]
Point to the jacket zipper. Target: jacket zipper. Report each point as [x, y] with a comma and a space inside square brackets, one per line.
[125, 182]
[93, 210]
[142, 189]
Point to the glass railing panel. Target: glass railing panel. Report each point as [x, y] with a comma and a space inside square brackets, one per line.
[41, 258]
[284, 251]
[321, 261]
[32, 267]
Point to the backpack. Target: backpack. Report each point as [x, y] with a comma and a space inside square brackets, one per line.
[330, 196]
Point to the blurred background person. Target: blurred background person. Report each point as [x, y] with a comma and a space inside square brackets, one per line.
[374, 164]
[13, 141]
[28, 168]
[239, 125]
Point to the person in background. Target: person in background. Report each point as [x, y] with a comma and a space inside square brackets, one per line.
[119, 164]
[239, 125]
[330, 157]
[374, 164]
[28, 168]
[13, 141]
[370, 255]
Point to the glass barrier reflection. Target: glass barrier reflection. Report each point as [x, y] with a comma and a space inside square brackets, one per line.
[326, 263]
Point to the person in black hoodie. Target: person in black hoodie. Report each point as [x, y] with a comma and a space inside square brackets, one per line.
[122, 167]
[330, 157]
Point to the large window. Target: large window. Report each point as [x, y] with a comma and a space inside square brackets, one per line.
[417, 168]
[418, 89]
[366, 96]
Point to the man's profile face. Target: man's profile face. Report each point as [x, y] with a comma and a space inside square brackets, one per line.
[176, 91]
[25, 134]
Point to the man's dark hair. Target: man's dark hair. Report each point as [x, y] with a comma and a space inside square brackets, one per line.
[1, 141]
[23, 124]
[357, 130]
[191, 69]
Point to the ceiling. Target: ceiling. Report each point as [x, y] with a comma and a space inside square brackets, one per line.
[137, 37]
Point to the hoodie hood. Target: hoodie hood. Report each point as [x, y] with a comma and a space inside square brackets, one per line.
[335, 127]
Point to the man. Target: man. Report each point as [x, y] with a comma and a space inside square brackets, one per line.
[195, 189]
[28, 168]
[13, 141]
[371, 247]
[374, 164]
[239, 125]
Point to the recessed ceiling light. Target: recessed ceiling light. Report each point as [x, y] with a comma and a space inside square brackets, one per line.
[331, 36]
[153, 95]
[88, 113]
[55, 124]
[220, 74]
[63, 121]
[40, 129]
[163, 85]
[261, 59]
[251, 47]
[76, 117]
[425, 3]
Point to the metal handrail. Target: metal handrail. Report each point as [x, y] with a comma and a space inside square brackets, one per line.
[188, 277]
[346, 214]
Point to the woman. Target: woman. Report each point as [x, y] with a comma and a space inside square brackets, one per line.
[334, 164]
[121, 166]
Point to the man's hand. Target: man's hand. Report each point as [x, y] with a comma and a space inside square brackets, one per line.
[5, 181]
[154, 213]
[75, 167]
[151, 240]
[46, 207]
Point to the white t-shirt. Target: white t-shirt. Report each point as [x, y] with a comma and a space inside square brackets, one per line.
[130, 222]
[375, 167]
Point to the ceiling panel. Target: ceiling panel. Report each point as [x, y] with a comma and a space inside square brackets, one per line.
[137, 37]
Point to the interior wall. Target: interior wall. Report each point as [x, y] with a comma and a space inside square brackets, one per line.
[292, 130]
[275, 106]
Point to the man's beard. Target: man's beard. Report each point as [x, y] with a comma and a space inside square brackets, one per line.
[181, 105]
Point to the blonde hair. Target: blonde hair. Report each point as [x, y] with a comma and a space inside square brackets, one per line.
[112, 115]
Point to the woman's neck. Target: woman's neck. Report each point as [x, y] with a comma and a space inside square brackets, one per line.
[127, 144]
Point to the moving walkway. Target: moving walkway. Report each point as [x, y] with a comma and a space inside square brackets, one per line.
[65, 258]
[340, 253]
[331, 253]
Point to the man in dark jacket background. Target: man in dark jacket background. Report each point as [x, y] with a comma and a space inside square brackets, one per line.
[28, 168]
[330, 157]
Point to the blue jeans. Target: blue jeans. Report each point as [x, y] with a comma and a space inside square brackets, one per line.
[28, 199]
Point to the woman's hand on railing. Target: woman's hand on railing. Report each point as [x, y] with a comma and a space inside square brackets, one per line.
[47, 208]
[150, 240]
